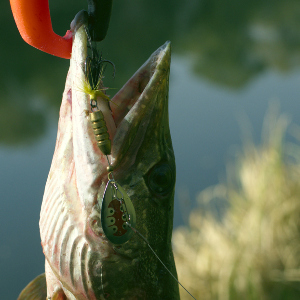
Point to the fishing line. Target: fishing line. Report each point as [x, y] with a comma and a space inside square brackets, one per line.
[145, 240]
[101, 278]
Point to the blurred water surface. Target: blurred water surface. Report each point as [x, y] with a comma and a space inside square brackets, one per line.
[229, 61]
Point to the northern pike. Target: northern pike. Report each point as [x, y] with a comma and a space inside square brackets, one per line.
[81, 263]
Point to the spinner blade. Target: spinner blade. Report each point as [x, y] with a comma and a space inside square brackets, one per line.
[117, 211]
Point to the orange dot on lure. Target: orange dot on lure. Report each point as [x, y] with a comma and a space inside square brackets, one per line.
[34, 24]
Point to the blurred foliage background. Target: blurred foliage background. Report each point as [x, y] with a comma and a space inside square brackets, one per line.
[229, 58]
[251, 250]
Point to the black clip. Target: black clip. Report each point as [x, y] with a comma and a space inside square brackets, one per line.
[96, 18]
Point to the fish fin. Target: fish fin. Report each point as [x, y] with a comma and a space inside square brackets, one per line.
[35, 290]
[59, 295]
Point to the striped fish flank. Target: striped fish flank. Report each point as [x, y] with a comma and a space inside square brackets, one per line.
[65, 247]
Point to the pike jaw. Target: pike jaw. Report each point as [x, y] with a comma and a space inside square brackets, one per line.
[80, 261]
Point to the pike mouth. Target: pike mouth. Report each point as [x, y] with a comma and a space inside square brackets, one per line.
[141, 84]
[135, 102]
[131, 107]
[127, 123]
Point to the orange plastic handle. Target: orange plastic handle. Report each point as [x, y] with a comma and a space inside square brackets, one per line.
[34, 24]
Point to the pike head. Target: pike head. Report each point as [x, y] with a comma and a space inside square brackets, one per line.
[81, 263]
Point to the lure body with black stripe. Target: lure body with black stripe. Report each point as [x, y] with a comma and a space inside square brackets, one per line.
[81, 262]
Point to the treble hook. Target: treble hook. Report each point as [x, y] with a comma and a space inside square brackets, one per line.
[34, 24]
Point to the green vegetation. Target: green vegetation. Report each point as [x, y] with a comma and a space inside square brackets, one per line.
[253, 251]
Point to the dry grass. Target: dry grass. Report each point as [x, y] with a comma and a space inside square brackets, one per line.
[254, 252]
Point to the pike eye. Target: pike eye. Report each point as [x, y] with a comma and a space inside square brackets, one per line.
[161, 179]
